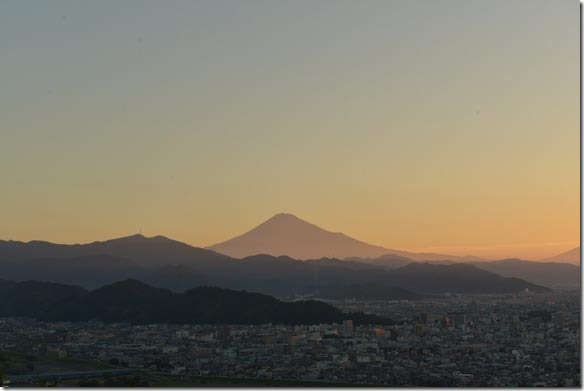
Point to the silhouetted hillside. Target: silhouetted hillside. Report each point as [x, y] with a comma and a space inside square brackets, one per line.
[129, 300]
[89, 271]
[33, 298]
[456, 278]
[277, 276]
[136, 302]
[154, 251]
[386, 261]
[6, 284]
[551, 274]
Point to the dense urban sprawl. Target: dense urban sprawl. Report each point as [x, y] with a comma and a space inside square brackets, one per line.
[502, 340]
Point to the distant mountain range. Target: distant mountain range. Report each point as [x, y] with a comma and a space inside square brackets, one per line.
[286, 234]
[154, 251]
[135, 302]
[551, 274]
[290, 257]
[165, 263]
[572, 256]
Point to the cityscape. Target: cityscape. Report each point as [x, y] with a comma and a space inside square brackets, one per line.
[520, 340]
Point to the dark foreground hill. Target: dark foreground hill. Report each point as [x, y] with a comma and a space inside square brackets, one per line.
[33, 298]
[135, 302]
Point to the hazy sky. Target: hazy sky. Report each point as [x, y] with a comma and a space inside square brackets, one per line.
[419, 125]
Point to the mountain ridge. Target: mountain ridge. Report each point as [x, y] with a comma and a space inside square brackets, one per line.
[286, 234]
[572, 256]
[153, 251]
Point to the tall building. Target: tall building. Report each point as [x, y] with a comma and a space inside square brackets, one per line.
[348, 329]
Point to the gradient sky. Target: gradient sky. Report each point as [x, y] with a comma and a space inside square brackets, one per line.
[436, 125]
